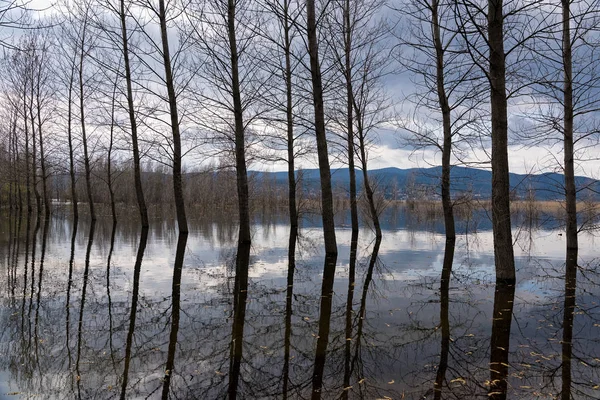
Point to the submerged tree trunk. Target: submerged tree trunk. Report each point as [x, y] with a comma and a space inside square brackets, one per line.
[292, 207]
[177, 178]
[86, 156]
[137, 175]
[42, 155]
[446, 204]
[27, 176]
[109, 177]
[70, 141]
[349, 114]
[503, 249]
[368, 188]
[324, 170]
[446, 123]
[34, 164]
[571, 205]
[240, 140]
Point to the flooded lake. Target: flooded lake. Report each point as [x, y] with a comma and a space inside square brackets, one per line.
[97, 311]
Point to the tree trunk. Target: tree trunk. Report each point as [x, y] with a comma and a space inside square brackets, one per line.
[70, 140]
[27, 177]
[139, 191]
[446, 122]
[42, 155]
[324, 170]
[571, 205]
[34, 167]
[349, 114]
[503, 248]
[363, 158]
[293, 210]
[177, 178]
[240, 141]
[86, 156]
[109, 177]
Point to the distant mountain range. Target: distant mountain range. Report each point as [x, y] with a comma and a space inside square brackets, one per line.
[424, 182]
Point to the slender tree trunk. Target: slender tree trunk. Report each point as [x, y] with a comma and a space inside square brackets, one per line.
[86, 156]
[42, 155]
[446, 204]
[17, 167]
[34, 164]
[571, 191]
[71, 150]
[109, 177]
[177, 178]
[571, 205]
[27, 176]
[363, 158]
[324, 170]
[293, 210]
[349, 115]
[240, 141]
[503, 249]
[15, 160]
[137, 174]
[292, 206]
[446, 122]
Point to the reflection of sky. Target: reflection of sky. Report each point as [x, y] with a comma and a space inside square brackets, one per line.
[403, 293]
[405, 254]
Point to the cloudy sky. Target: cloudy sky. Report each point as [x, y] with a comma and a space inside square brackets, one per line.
[390, 148]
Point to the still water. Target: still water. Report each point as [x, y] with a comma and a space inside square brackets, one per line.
[101, 312]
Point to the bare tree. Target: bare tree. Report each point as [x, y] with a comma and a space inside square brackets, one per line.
[139, 191]
[42, 95]
[66, 40]
[319, 116]
[85, 44]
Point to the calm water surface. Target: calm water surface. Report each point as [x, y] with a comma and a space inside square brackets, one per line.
[103, 312]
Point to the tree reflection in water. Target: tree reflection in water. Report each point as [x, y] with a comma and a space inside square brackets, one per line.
[504, 296]
[381, 328]
[134, 306]
[81, 307]
[175, 310]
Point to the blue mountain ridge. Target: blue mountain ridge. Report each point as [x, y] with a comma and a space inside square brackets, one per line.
[399, 182]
